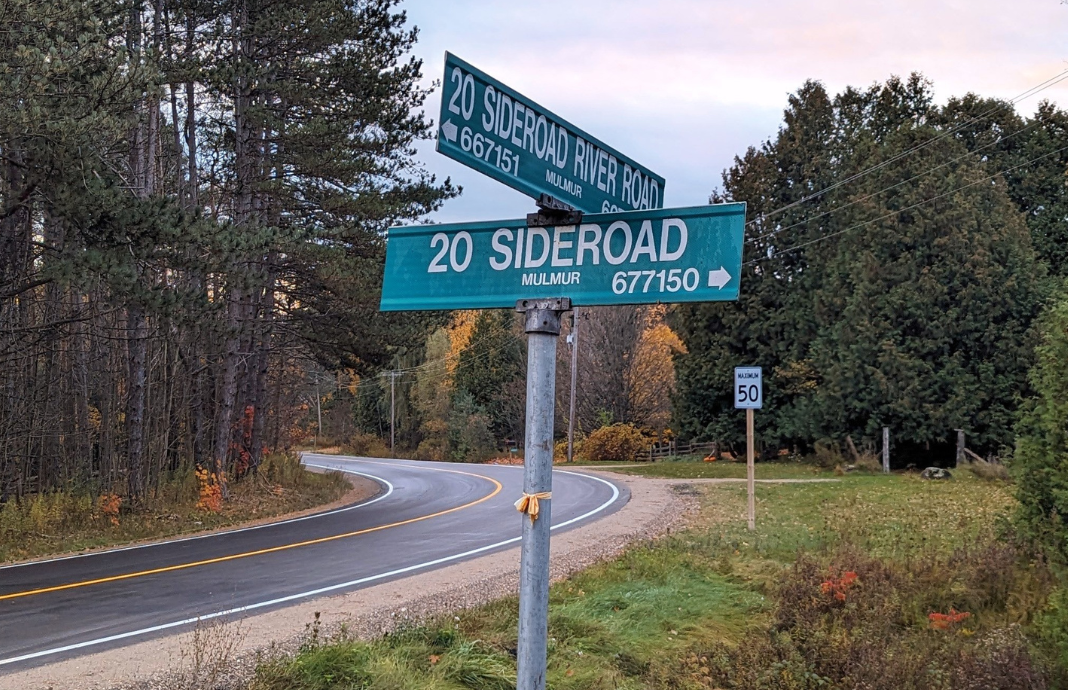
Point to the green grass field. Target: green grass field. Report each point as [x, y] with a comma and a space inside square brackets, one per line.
[662, 614]
[694, 468]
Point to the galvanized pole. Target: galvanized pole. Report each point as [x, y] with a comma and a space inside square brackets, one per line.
[574, 378]
[543, 328]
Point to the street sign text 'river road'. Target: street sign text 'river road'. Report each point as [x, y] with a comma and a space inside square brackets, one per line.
[642, 257]
[489, 127]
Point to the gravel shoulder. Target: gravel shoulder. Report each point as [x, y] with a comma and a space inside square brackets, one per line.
[221, 656]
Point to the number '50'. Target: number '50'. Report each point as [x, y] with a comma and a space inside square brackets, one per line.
[748, 393]
[452, 249]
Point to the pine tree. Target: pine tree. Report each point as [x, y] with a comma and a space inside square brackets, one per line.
[211, 183]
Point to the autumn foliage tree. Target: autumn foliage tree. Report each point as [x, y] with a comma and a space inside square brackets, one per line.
[626, 371]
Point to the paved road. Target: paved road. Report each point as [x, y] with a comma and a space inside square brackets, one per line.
[426, 515]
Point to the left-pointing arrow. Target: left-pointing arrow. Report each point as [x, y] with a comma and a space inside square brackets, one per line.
[718, 278]
[449, 130]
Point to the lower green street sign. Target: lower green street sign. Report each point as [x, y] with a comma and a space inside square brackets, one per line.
[638, 257]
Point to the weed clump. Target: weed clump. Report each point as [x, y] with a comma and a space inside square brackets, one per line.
[428, 657]
[858, 621]
[990, 471]
[369, 446]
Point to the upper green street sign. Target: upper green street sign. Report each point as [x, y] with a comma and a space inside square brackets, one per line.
[491, 128]
[640, 257]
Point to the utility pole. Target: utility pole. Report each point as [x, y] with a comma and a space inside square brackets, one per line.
[318, 414]
[572, 338]
[393, 374]
[392, 410]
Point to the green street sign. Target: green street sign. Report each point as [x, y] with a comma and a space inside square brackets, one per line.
[641, 257]
[489, 127]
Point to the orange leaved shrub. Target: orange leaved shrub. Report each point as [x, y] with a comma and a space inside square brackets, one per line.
[210, 491]
[615, 443]
[109, 505]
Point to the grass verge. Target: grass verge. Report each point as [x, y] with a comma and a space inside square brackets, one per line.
[695, 468]
[56, 523]
[839, 584]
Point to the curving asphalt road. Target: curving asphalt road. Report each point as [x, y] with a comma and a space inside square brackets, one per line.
[425, 515]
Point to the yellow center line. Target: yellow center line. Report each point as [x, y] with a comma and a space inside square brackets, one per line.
[260, 552]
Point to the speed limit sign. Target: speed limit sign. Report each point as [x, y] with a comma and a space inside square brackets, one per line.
[748, 388]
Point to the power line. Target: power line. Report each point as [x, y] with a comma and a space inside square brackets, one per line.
[902, 210]
[917, 176]
[1056, 79]
[369, 385]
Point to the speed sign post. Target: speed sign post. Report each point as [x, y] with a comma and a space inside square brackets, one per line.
[749, 396]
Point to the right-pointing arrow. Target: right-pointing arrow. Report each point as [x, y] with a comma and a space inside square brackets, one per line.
[718, 278]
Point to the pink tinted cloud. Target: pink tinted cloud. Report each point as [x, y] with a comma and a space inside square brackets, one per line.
[750, 52]
[684, 85]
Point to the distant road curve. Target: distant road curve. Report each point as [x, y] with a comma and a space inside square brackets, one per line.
[425, 515]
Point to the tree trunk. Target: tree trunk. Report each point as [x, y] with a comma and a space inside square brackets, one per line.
[137, 332]
[227, 391]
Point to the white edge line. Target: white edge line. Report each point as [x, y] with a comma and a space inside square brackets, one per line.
[314, 592]
[376, 499]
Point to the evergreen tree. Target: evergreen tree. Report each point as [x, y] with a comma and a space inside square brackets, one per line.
[925, 310]
[492, 361]
[782, 174]
[1040, 463]
[865, 304]
[193, 202]
[1033, 152]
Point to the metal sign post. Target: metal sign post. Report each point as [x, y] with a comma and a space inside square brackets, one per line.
[543, 328]
[749, 396]
[572, 338]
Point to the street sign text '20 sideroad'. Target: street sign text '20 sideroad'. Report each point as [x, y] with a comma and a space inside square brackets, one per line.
[642, 257]
[497, 131]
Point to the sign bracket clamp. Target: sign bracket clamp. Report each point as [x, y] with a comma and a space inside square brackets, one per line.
[552, 212]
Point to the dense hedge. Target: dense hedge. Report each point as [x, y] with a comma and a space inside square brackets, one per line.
[1041, 459]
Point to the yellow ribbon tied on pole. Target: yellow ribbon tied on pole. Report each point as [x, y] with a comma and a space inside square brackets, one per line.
[529, 504]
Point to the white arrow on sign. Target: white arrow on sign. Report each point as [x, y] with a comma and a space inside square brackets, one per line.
[449, 130]
[718, 278]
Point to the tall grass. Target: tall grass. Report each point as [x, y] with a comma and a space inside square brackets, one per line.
[61, 521]
[717, 606]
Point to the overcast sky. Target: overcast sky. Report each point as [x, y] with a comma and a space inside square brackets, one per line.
[682, 86]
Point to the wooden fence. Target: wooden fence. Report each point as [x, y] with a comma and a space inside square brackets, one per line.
[670, 449]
